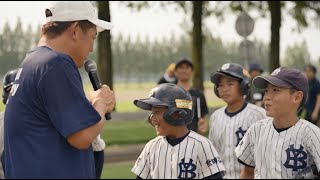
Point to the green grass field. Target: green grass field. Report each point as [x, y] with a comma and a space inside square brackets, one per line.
[127, 132]
[118, 171]
[1, 107]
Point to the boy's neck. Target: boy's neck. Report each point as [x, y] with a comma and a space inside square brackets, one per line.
[185, 84]
[179, 131]
[285, 121]
[236, 106]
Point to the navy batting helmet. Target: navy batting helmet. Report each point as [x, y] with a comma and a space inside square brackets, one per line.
[8, 81]
[177, 99]
[234, 71]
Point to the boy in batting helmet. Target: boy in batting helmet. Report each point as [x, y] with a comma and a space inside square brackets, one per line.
[281, 146]
[7, 86]
[229, 124]
[177, 152]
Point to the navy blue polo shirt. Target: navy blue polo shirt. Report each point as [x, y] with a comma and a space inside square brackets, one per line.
[314, 91]
[49, 104]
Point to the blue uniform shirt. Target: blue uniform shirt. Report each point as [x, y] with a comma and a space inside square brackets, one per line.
[48, 105]
[314, 91]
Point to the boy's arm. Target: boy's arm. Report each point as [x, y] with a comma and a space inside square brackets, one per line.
[209, 162]
[315, 113]
[245, 154]
[141, 168]
[247, 173]
[202, 126]
[313, 147]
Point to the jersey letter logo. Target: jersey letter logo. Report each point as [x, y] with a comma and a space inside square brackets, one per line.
[298, 158]
[240, 133]
[186, 169]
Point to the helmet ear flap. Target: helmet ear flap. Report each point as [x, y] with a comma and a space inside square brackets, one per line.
[244, 86]
[168, 116]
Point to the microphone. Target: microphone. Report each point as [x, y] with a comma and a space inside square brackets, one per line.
[91, 68]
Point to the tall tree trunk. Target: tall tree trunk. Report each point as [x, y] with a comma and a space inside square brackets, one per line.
[275, 11]
[104, 47]
[197, 45]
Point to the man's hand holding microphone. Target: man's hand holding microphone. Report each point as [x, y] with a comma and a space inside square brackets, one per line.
[103, 100]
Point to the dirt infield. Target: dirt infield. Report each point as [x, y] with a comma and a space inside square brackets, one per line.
[123, 153]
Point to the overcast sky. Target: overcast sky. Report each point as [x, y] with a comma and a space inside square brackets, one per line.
[157, 23]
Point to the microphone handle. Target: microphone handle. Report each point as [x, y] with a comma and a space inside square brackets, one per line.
[94, 78]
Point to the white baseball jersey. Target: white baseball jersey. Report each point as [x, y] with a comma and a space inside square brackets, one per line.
[287, 154]
[226, 131]
[98, 144]
[195, 158]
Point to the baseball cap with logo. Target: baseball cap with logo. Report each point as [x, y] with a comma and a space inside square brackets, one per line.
[63, 11]
[284, 77]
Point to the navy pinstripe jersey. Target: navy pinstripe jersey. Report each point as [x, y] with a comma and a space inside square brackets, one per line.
[227, 131]
[281, 155]
[195, 157]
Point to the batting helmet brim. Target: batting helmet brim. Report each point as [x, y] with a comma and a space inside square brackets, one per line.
[215, 77]
[146, 104]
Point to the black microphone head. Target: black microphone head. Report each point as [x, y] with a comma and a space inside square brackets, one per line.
[90, 66]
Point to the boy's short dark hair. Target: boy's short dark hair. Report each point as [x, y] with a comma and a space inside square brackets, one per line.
[312, 67]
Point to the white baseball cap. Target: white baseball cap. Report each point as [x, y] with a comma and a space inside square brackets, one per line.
[75, 11]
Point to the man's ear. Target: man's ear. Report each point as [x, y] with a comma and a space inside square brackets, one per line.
[74, 30]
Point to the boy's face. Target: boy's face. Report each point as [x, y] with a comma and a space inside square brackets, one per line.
[309, 73]
[229, 89]
[157, 120]
[254, 73]
[184, 72]
[280, 102]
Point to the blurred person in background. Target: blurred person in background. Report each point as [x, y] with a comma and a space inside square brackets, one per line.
[255, 95]
[312, 105]
[169, 76]
[184, 71]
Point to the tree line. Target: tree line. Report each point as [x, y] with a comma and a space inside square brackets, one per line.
[142, 60]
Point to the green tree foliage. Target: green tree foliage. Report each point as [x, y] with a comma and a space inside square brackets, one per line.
[14, 44]
[139, 59]
[297, 56]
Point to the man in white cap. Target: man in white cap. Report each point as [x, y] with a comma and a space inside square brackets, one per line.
[50, 124]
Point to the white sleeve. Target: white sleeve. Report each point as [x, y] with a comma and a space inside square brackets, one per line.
[213, 137]
[245, 150]
[142, 165]
[98, 144]
[209, 161]
[314, 145]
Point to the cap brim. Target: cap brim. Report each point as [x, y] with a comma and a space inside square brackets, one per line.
[261, 82]
[146, 104]
[102, 25]
[184, 62]
[216, 76]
